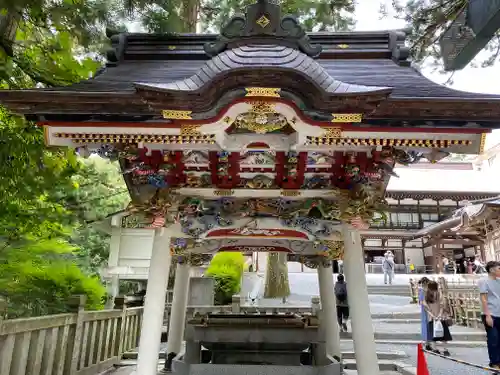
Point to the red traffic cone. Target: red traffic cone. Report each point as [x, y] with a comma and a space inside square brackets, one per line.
[421, 361]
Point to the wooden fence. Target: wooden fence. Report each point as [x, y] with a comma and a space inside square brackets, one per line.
[462, 298]
[80, 343]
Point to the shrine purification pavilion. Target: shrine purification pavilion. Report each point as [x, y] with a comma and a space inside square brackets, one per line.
[261, 138]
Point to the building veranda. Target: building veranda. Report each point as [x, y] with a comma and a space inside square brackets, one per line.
[262, 138]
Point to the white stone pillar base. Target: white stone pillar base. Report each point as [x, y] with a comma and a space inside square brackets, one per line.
[154, 305]
[177, 320]
[359, 304]
[328, 318]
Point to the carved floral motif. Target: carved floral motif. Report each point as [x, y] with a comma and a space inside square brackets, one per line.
[260, 122]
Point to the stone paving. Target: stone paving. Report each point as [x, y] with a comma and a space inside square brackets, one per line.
[303, 286]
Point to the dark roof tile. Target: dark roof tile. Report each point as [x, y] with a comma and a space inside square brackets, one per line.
[405, 81]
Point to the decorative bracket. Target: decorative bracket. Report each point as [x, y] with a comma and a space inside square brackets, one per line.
[263, 24]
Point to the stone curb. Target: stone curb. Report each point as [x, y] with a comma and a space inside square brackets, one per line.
[405, 369]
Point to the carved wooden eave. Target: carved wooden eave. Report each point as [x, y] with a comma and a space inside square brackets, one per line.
[485, 112]
[437, 196]
[271, 66]
[263, 24]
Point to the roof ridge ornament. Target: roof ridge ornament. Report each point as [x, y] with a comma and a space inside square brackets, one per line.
[263, 24]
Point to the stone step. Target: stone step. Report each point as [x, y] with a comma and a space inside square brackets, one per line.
[130, 358]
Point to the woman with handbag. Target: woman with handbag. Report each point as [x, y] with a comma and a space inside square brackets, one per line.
[422, 289]
[437, 327]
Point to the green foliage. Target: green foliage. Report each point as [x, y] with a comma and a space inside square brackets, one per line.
[38, 278]
[314, 15]
[427, 20]
[46, 198]
[33, 178]
[227, 270]
[100, 192]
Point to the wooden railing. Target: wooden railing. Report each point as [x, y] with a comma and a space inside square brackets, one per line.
[462, 298]
[81, 343]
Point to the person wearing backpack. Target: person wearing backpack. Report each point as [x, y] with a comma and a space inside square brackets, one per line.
[342, 304]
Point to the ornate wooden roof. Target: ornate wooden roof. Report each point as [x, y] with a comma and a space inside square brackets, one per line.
[322, 73]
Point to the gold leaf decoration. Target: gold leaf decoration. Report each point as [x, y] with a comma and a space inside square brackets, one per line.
[176, 115]
[347, 117]
[263, 91]
[333, 133]
[189, 130]
[263, 21]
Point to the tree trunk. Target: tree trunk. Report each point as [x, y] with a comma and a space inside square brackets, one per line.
[9, 23]
[190, 9]
[277, 276]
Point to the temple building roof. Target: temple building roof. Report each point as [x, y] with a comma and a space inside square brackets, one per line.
[442, 180]
[354, 58]
[322, 73]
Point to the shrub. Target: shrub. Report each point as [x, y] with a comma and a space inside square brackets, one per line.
[39, 279]
[227, 270]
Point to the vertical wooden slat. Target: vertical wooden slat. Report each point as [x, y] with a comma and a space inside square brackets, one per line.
[133, 332]
[126, 344]
[138, 329]
[78, 304]
[62, 345]
[21, 352]
[100, 342]
[6, 351]
[92, 343]
[36, 353]
[49, 351]
[123, 321]
[84, 347]
[115, 337]
[108, 323]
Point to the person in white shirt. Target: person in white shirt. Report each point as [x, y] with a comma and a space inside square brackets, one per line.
[388, 267]
[489, 289]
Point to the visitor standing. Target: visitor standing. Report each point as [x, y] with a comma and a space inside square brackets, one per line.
[342, 303]
[446, 263]
[341, 266]
[422, 288]
[388, 267]
[489, 289]
[438, 331]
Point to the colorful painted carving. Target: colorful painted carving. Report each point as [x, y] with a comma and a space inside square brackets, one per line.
[318, 217]
[157, 180]
[194, 180]
[195, 157]
[260, 122]
[332, 250]
[319, 158]
[255, 232]
[258, 158]
[317, 182]
[259, 182]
